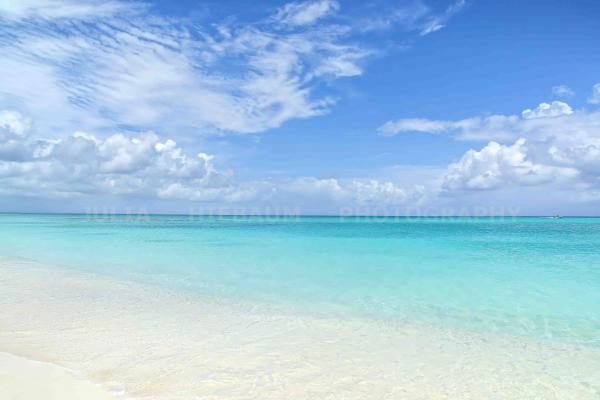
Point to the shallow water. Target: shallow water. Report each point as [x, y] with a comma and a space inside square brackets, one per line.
[529, 277]
[147, 342]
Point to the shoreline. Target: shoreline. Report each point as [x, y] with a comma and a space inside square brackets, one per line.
[170, 345]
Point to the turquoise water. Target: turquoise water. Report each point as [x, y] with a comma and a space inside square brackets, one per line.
[534, 277]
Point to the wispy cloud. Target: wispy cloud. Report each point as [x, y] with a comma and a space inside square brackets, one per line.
[107, 64]
[563, 91]
[73, 9]
[112, 63]
[495, 126]
[436, 22]
[305, 13]
[415, 16]
[595, 96]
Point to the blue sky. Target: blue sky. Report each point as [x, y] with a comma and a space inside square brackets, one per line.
[317, 107]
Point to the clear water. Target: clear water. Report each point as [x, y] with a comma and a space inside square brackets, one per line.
[534, 277]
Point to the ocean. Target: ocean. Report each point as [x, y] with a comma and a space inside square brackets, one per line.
[522, 280]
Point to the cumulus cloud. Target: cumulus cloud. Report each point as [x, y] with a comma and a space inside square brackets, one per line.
[563, 91]
[550, 146]
[499, 165]
[147, 166]
[83, 164]
[545, 110]
[595, 96]
[144, 165]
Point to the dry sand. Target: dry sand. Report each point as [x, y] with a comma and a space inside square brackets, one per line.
[23, 379]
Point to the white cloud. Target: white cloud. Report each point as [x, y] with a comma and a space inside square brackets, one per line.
[306, 12]
[411, 17]
[107, 64]
[498, 165]
[229, 194]
[414, 16]
[432, 26]
[317, 187]
[437, 22]
[53, 9]
[563, 91]
[550, 146]
[357, 192]
[83, 164]
[420, 125]
[595, 96]
[543, 121]
[546, 110]
[105, 69]
[375, 192]
[487, 127]
[144, 165]
[14, 122]
[581, 152]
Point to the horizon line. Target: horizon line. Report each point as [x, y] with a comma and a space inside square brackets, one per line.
[104, 214]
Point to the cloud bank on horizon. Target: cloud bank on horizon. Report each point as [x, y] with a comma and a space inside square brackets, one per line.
[111, 100]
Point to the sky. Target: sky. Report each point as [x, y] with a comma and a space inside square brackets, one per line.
[380, 107]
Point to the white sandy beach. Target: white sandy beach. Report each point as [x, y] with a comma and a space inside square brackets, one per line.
[23, 379]
[157, 344]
